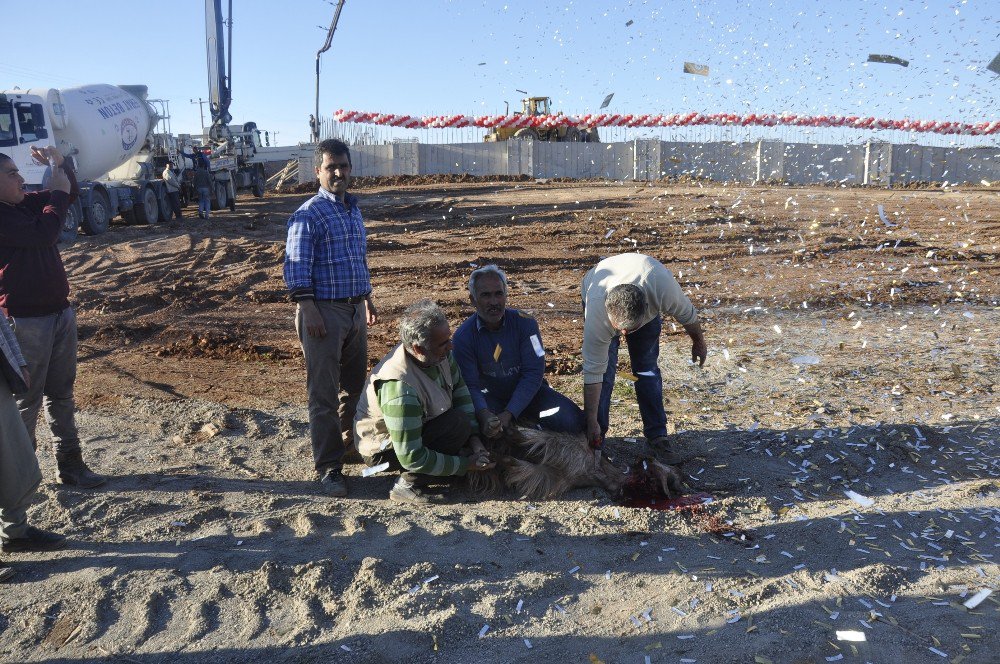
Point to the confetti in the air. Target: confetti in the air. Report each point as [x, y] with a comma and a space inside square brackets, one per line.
[694, 68]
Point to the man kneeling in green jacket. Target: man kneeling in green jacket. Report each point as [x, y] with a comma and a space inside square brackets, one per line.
[416, 413]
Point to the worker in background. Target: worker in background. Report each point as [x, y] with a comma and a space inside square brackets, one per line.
[502, 359]
[313, 129]
[326, 272]
[34, 293]
[627, 295]
[203, 184]
[19, 473]
[173, 185]
[416, 414]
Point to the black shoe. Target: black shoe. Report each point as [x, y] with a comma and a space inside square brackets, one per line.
[404, 491]
[34, 539]
[665, 452]
[73, 471]
[334, 483]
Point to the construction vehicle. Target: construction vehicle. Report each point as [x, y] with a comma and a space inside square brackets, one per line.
[109, 135]
[119, 141]
[534, 106]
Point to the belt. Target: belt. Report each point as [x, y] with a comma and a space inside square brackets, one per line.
[357, 299]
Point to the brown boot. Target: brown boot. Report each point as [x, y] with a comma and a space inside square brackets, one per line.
[73, 471]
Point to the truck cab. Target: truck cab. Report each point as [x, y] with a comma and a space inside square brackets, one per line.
[23, 124]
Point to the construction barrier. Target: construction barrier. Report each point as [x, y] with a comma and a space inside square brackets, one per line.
[873, 163]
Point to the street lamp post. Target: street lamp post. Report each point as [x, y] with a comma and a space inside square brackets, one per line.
[201, 110]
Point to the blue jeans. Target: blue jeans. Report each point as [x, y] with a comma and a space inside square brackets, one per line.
[568, 417]
[643, 352]
[204, 201]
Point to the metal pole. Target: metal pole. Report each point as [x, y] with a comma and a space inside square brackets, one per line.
[201, 110]
[229, 65]
[326, 47]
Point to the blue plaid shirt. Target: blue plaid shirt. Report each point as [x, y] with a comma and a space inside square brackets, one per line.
[326, 256]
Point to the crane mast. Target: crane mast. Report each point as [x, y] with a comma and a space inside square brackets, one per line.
[219, 91]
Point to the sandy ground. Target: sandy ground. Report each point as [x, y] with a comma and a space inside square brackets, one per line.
[848, 352]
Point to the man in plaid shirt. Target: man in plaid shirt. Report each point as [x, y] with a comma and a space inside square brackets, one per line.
[326, 272]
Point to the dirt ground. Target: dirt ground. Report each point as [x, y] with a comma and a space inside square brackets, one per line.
[849, 350]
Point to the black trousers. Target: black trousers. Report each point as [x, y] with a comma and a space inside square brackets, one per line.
[175, 203]
[447, 433]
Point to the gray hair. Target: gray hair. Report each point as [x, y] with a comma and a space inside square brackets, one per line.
[626, 304]
[484, 270]
[332, 147]
[419, 319]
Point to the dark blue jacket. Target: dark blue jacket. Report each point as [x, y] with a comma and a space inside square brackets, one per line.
[508, 363]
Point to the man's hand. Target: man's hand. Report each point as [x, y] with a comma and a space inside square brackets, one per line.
[59, 180]
[594, 436]
[312, 319]
[49, 155]
[506, 420]
[479, 459]
[489, 423]
[372, 312]
[699, 349]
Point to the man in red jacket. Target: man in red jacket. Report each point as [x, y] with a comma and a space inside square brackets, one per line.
[34, 294]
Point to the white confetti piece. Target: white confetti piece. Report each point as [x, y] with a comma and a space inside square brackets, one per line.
[345, 648]
[520, 605]
[179, 524]
[835, 658]
[367, 472]
[548, 412]
[574, 570]
[885, 219]
[432, 578]
[978, 598]
[527, 644]
[864, 501]
[777, 329]
[805, 359]
[483, 631]
[938, 652]
[850, 635]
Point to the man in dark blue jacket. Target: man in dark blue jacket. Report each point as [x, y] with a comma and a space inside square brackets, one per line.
[502, 359]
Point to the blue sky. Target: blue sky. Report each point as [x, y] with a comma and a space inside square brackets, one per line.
[424, 57]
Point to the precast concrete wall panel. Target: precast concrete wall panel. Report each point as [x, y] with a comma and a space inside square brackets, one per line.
[981, 164]
[373, 160]
[771, 161]
[592, 156]
[807, 163]
[645, 160]
[460, 158]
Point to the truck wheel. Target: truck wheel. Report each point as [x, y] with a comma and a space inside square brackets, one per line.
[146, 208]
[526, 134]
[259, 181]
[70, 224]
[97, 217]
[221, 197]
[164, 202]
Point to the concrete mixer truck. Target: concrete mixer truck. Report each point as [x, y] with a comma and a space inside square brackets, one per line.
[110, 135]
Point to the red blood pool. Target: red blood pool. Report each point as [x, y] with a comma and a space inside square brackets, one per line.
[664, 503]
